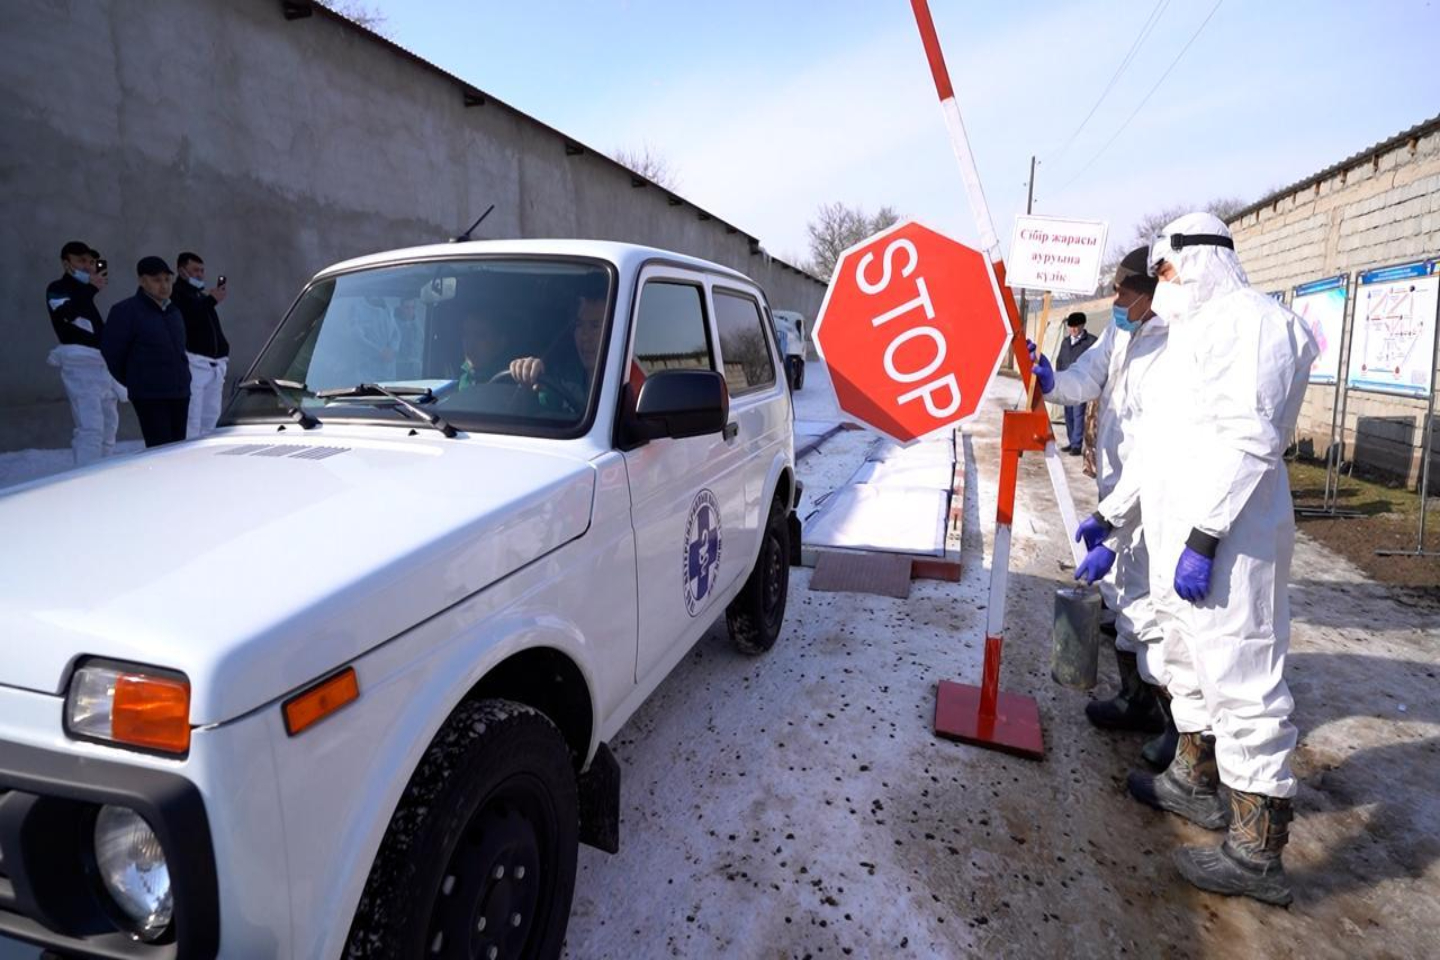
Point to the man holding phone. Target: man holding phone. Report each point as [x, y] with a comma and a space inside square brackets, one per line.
[205, 344]
[92, 393]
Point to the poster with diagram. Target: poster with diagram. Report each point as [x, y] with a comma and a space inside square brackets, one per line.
[1321, 305]
[1392, 341]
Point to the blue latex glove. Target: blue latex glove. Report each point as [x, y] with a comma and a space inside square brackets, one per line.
[1096, 564]
[1192, 575]
[1044, 373]
[1091, 532]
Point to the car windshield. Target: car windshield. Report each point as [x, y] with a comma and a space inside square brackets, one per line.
[447, 335]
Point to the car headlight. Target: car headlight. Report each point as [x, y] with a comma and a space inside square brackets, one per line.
[132, 705]
[133, 870]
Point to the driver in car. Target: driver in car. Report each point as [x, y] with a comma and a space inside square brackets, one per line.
[569, 367]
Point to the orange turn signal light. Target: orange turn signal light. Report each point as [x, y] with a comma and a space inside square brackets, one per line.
[151, 712]
[309, 707]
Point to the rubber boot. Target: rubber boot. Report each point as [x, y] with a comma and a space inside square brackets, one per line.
[1190, 786]
[1134, 707]
[1247, 863]
[1160, 751]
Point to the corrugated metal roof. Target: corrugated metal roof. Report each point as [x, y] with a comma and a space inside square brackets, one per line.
[474, 96]
[1364, 156]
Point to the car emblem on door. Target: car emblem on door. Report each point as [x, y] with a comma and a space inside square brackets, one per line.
[701, 563]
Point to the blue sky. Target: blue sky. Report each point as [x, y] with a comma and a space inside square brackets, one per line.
[767, 110]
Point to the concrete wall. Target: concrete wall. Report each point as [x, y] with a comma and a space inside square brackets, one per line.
[1382, 210]
[272, 148]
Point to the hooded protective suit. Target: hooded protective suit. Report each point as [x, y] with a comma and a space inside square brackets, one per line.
[1112, 371]
[1208, 471]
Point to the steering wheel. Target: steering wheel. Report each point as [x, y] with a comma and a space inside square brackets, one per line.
[547, 381]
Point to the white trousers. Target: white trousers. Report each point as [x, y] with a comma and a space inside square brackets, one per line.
[93, 396]
[1223, 662]
[1127, 592]
[207, 387]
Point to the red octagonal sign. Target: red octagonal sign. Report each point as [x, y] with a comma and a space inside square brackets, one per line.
[912, 329]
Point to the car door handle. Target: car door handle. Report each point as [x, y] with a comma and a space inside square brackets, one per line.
[731, 431]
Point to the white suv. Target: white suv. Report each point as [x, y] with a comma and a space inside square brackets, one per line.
[337, 679]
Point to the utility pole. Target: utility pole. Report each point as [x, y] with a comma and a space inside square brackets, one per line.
[1029, 205]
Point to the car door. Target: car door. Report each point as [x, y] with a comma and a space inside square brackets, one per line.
[758, 406]
[687, 497]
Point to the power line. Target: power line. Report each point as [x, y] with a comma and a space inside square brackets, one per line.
[1145, 100]
[1145, 30]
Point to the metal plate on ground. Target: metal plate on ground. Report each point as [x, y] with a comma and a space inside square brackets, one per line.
[884, 574]
[864, 516]
[932, 475]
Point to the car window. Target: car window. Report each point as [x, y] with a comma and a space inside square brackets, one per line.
[453, 328]
[742, 343]
[670, 332]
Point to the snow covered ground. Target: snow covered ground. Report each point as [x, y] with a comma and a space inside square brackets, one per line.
[798, 804]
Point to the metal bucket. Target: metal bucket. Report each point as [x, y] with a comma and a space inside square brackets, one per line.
[1075, 638]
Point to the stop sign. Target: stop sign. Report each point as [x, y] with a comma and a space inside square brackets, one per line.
[912, 329]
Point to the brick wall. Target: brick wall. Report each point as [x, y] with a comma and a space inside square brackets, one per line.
[1382, 209]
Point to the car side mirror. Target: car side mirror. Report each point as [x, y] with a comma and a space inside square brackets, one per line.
[682, 403]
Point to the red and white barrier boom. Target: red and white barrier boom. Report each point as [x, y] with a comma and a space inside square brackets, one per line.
[984, 715]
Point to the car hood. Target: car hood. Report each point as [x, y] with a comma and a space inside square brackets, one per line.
[255, 565]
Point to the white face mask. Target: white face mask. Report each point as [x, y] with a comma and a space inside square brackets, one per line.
[196, 282]
[1173, 301]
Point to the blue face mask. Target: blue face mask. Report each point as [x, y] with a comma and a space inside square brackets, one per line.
[1122, 319]
[82, 275]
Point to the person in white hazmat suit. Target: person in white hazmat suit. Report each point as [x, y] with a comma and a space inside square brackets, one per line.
[1111, 372]
[1208, 478]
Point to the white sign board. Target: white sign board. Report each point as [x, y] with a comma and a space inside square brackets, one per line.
[1392, 341]
[1049, 253]
[1322, 306]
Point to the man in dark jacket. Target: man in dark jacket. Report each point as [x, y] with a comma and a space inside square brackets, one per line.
[1075, 344]
[92, 392]
[144, 346]
[205, 345]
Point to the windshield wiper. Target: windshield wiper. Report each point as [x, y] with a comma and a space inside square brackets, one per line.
[396, 395]
[306, 421]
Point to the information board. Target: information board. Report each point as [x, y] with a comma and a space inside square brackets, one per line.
[1049, 253]
[1321, 305]
[1392, 341]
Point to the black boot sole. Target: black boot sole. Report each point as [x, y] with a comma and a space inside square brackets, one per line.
[1105, 715]
[1214, 870]
[1156, 790]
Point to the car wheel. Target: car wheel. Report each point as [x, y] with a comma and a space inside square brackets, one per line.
[756, 615]
[479, 859]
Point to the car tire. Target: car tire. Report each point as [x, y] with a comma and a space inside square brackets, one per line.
[799, 374]
[756, 615]
[487, 831]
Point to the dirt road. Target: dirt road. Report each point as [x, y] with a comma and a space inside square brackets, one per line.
[798, 804]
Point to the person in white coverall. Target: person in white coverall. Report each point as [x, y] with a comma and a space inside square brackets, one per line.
[1111, 372]
[92, 392]
[1208, 478]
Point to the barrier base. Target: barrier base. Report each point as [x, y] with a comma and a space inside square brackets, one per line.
[1014, 729]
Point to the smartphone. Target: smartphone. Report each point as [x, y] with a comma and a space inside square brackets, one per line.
[101, 266]
[221, 281]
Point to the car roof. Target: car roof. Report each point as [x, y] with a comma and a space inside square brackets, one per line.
[625, 256]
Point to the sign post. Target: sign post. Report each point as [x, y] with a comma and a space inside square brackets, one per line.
[983, 715]
[1322, 305]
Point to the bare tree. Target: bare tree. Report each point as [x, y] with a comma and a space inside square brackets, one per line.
[363, 14]
[1148, 227]
[836, 227]
[649, 163]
